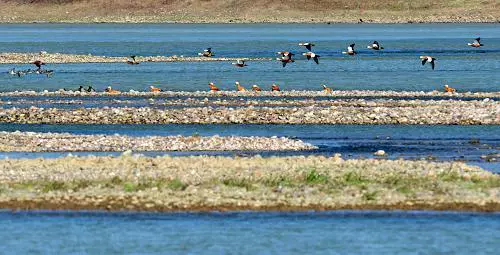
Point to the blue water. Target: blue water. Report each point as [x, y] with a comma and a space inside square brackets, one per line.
[343, 232]
[463, 143]
[396, 68]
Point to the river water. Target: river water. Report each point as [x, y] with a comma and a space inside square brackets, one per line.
[397, 67]
[343, 232]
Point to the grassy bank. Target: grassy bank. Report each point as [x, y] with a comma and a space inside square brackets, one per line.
[219, 183]
[233, 11]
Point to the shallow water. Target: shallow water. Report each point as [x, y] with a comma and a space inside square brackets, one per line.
[343, 232]
[464, 143]
[397, 67]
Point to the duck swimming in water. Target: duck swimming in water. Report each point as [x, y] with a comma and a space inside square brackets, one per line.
[326, 89]
[239, 87]
[256, 88]
[350, 50]
[154, 89]
[206, 53]
[132, 61]
[213, 87]
[240, 63]
[111, 90]
[308, 45]
[429, 59]
[312, 55]
[275, 87]
[449, 89]
[375, 46]
[476, 43]
[286, 57]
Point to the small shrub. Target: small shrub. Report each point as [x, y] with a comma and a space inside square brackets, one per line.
[129, 187]
[353, 178]
[177, 184]
[370, 196]
[240, 183]
[53, 186]
[313, 177]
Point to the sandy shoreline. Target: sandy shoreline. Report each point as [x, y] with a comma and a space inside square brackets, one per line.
[204, 183]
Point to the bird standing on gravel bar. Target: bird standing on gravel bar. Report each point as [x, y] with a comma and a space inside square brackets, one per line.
[240, 63]
[286, 57]
[154, 89]
[81, 89]
[239, 87]
[308, 45]
[213, 87]
[428, 59]
[132, 61]
[111, 90]
[449, 89]
[90, 89]
[312, 55]
[375, 46]
[206, 53]
[350, 50]
[326, 89]
[476, 43]
[256, 88]
[275, 87]
[38, 64]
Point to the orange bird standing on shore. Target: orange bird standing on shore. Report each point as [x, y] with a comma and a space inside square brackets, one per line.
[275, 87]
[449, 89]
[326, 89]
[213, 87]
[239, 87]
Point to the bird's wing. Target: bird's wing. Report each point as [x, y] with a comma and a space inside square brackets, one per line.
[308, 57]
[432, 64]
[424, 61]
[284, 63]
[316, 59]
[308, 46]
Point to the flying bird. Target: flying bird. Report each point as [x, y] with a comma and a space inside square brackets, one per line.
[428, 59]
[308, 45]
[476, 43]
[312, 55]
[132, 60]
[240, 63]
[350, 50]
[206, 53]
[38, 64]
[286, 57]
[375, 46]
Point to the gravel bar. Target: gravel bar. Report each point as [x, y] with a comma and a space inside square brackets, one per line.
[65, 142]
[207, 183]
[462, 113]
[59, 58]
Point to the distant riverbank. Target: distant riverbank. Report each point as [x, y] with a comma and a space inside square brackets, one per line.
[260, 11]
[218, 183]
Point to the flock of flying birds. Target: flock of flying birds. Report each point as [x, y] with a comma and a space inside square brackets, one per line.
[287, 56]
